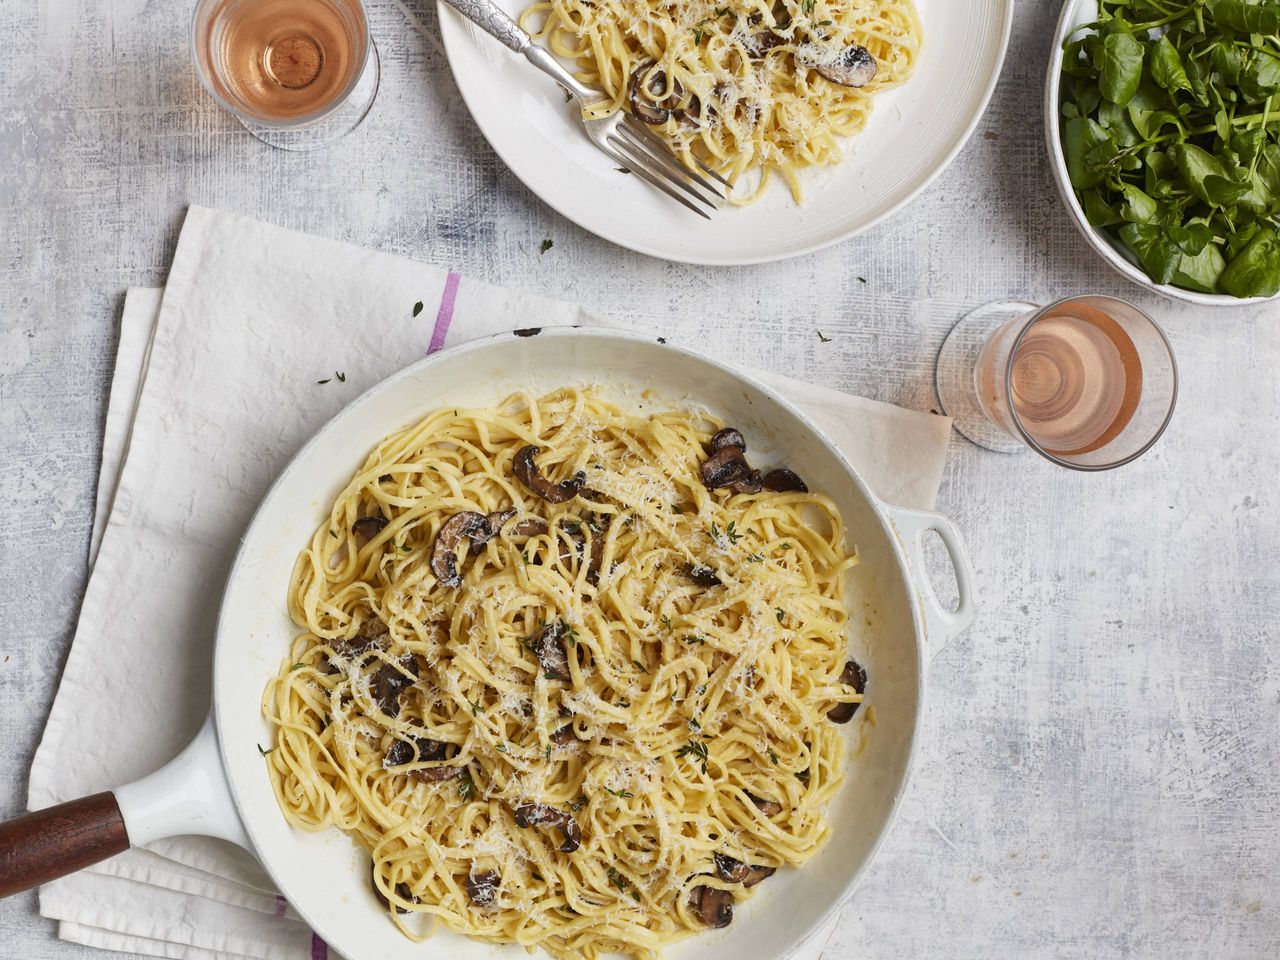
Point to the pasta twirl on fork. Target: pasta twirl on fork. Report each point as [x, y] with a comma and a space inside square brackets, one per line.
[749, 87]
[570, 674]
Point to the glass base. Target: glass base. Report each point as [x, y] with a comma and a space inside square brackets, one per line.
[957, 367]
[333, 126]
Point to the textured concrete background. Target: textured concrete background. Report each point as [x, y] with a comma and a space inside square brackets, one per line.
[1101, 769]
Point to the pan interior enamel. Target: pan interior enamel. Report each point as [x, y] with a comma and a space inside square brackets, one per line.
[324, 875]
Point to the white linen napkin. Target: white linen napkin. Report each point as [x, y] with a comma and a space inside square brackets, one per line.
[217, 382]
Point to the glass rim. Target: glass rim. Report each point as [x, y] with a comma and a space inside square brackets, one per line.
[293, 122]
[1035, 317]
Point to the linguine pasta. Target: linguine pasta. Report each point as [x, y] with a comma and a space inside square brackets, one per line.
[745, 86]
[592, 721]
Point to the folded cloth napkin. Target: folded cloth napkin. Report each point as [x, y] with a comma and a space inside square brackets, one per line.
[259, 337]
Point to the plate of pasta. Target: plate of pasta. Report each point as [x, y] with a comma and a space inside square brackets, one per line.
[827, 116]
[519, 656]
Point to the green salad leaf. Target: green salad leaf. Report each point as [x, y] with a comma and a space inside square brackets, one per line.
[1170, 121]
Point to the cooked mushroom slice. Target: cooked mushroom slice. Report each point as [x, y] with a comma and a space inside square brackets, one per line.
[783, 480]
[763, 42]
[702, 575]
[389, 681]
[356, 647]
[770, 808]
[421, 749]
[366, 528]
[526, 472]
[735, 871]
[533, 527]
[418, 749]
[724, 468]
[852, 676]
[434, 774]
[482, 887]
[539, 815]
[751, 483]
[548, 646]
[730, 870]
[402, 891]
[644, 108]
[497, 520]
[854, 66]
[714, 907]
[803, 776]
[728, 437]
[444, 555]
[564, 736]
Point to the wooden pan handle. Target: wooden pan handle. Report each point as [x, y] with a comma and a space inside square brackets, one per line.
[51, 843]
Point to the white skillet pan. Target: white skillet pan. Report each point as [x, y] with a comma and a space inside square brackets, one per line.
[219, 787]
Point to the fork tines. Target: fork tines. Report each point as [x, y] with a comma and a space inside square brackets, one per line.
[645, 155]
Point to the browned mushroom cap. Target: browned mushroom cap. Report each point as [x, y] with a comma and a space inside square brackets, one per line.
[533, 527]
[728, 437]
[702, 575]
[751, 483]
[770, 808]
[852, 676]
[356, 648]
[539, 815]
[713, 907]
[366, 528]
[564, 736]
[405, 751]
[854, 66]
[764, 41]
[482, 887]
[783, 480]
[735, 871]
[389, 681]
[644, 78]
[497, 520]
[421, 749]
[402, 891]
[444, 554]
[548, 646]
[526, 472]
[724, 468]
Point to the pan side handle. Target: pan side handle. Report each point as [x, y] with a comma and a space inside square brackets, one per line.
[941, 625]
[189, 795]
[51, 843]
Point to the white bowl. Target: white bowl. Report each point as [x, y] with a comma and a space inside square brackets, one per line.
[1075, 13]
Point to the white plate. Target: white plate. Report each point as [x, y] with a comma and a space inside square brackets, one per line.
[1074, 14]
[914, 134]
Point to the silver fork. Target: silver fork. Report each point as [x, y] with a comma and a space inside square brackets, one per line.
[621, 136]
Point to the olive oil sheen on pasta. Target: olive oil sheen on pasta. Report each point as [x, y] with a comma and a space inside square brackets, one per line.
[282, 60]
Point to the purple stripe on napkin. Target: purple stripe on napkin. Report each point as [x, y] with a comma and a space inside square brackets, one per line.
[319, 949]
[281, 904]
[445, 313]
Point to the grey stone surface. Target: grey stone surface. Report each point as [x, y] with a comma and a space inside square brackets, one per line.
[1100, 775]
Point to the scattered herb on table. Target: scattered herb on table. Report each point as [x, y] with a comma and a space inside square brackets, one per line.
[1171, 133]
[261, 751]
[547, 244]
[822, 338]
[417, 308]
[325, 380]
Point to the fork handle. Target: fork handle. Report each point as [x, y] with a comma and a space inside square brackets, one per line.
[493, 20]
